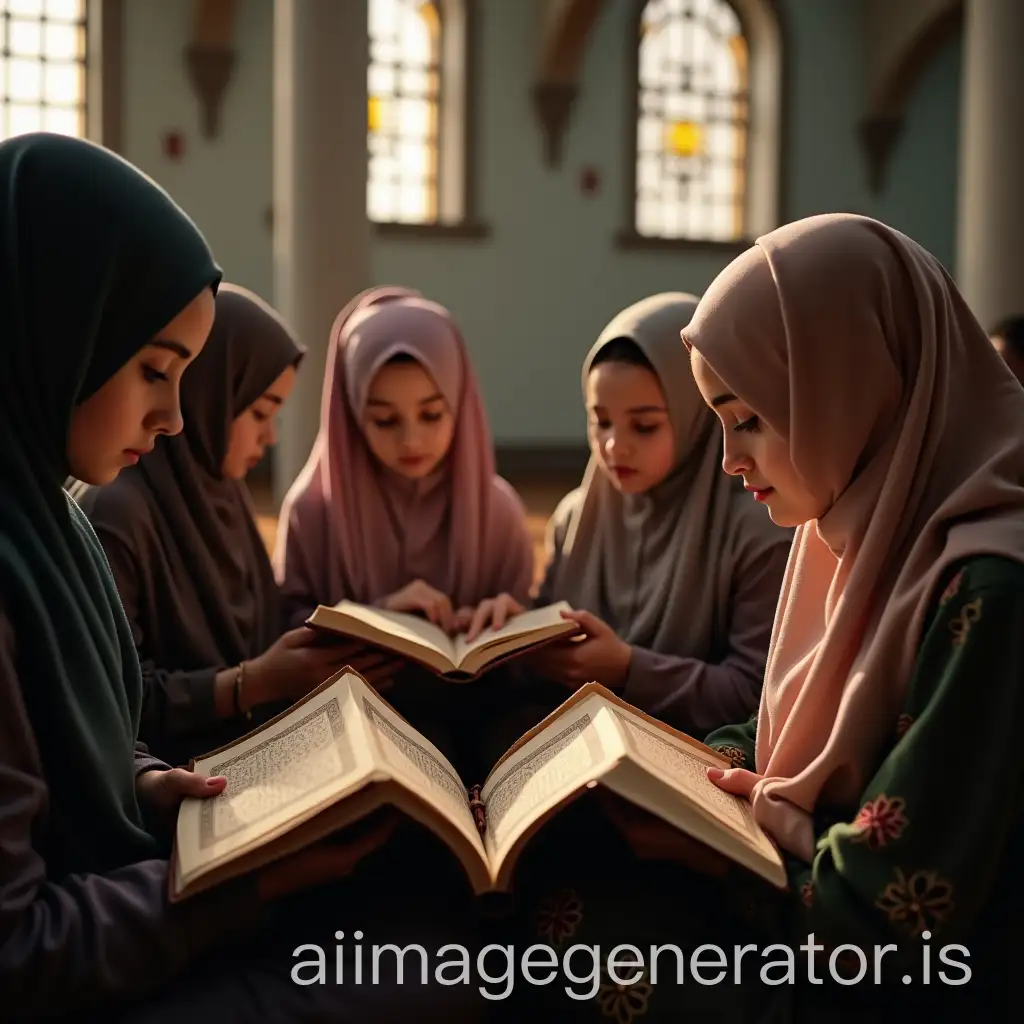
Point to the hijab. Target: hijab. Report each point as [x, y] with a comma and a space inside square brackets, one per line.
[206, 590]
[96, 260]
[660, 566]
[352, 528]
[853, 344]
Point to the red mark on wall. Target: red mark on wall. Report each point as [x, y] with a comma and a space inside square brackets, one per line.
[173, 145]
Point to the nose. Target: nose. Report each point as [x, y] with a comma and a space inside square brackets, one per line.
[735, 461]
[167, 420]
[616, 443]
[270, 434]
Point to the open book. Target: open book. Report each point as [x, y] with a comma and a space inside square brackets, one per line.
[342, 752]
[454, 658]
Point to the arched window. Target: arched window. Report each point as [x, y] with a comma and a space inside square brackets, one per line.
[418, 109]
[42, 67]
[706, 143]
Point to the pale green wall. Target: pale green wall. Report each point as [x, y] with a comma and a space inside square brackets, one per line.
[533, 297]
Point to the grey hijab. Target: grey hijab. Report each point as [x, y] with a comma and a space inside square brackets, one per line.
[659, 567]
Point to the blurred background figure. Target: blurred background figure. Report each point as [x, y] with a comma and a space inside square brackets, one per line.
[1008, 337]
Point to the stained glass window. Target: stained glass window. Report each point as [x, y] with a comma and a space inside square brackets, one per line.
[403, 119]
[692, 121]
[42, 67]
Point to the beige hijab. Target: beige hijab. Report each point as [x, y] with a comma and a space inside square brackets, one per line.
[853, 344]
[659, 567]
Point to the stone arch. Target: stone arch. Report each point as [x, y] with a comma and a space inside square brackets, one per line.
[895, 81]
[566, 28]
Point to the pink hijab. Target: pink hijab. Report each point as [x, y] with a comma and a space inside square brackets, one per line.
[853, 344]
[352, 529]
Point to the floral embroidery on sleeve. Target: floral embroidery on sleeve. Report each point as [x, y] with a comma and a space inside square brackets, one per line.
[733, 754]
[961, 625]
[623, 1003]
[880, 821]
[952, 587]
[559, 916]
[807, 893]
[918, 903]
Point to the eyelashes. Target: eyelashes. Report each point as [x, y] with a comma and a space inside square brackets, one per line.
[748, 426]
[393, 421]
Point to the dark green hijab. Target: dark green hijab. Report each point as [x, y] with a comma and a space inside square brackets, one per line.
[96, 260]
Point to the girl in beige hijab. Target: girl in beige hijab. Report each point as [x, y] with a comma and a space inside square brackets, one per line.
[864, 403]
[672, 569]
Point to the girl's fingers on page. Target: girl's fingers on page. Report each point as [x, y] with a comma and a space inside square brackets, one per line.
[480, 617]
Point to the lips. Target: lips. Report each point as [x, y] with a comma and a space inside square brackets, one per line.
[761, 493]
[623, 471]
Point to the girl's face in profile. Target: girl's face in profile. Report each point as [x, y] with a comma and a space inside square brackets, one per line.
[255, 429]
[118, 424]
[407, 422]
[754, 451]
[628, 426]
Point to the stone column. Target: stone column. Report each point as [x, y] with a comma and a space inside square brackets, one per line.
[990, 230]
[321, 229]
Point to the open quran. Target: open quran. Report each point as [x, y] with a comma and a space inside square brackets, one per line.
[342, 753]
[454, 658]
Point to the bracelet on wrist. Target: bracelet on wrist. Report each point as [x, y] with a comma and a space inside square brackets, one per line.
[239, 679]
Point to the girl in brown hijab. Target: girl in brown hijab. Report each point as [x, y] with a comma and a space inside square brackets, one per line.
[866, 406]
[674, 570]
[191, 568]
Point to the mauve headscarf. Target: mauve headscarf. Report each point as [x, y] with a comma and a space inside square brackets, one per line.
[352, 529]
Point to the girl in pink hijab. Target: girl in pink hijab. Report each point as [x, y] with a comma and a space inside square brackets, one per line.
[399, 504]
[864, 404]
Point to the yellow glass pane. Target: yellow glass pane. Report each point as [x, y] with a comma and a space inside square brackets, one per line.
[684, 138]
[375, 114]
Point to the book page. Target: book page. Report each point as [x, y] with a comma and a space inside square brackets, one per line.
[417, 763]
[682, 767]
[559, 760]
[517, 626]
[275, 778]
[401, 625]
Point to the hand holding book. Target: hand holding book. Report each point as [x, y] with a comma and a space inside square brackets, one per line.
[593, 652]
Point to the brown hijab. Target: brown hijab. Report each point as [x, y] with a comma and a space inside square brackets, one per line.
[659, 567]
[853, 344]
[205, 590]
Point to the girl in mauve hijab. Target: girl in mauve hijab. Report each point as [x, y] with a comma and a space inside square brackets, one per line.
[399, 505]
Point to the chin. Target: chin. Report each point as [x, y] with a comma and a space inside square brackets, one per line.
[415, 472]
[96, 476]
[781, 516]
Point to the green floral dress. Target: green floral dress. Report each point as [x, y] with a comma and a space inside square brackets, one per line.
[927, 864]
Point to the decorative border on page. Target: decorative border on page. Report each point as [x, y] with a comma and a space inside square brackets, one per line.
[512, 781]
[682, 761]
[422, 758]
[208, 833]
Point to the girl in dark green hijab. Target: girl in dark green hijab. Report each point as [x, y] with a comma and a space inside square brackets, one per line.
[106, 296]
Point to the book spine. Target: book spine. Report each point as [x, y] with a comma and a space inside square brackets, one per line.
[478, 809]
